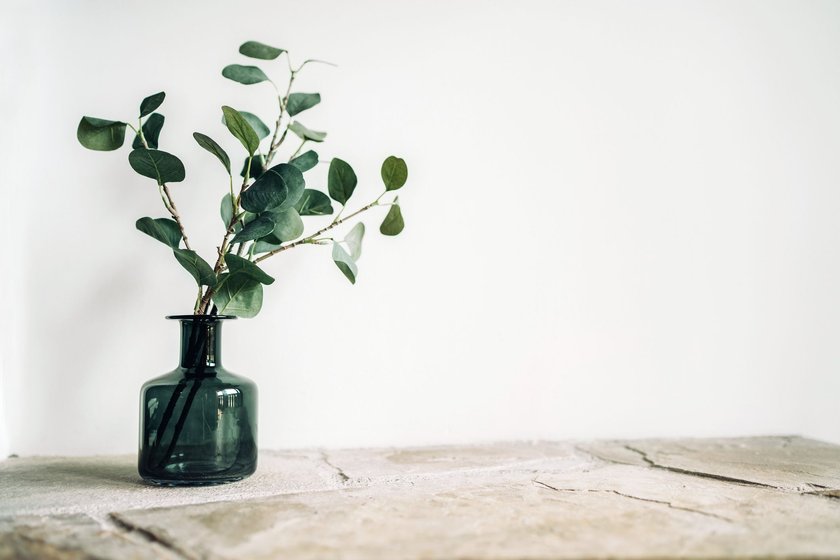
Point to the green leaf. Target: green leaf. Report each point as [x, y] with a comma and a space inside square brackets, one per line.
[265, 247]
[306, 134]
[151, 132]
[151, 103]
[344, 262]
[238, 294]
[295, 184]
[255, 229]
[394, 173]
[240, 264]
[161, 166]
[211, 146]
[299, 102]
[305, 161]
[99, 134]
[164, 230]
[256, 168]
[393, 223]
[269, 191]
[255, 49]
[314, 203]
[196, 266]
[226, 209]
[244, 74]
[241, 129]
[256, 123]
[277, 188]
[287, 226]
[354, 240]
[341, 181]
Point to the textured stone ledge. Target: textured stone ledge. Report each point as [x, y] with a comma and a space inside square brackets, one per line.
[772, 497]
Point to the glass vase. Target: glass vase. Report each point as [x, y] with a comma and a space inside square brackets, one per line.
[198, 423]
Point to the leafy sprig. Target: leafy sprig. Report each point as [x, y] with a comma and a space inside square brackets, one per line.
[265, 216]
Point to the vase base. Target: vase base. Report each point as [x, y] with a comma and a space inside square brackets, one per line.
[196, 473]
[195, 482]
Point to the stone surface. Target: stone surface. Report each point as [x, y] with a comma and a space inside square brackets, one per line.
[723, 498]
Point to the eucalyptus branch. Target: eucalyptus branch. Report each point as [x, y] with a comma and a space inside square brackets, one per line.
[165, 195]
[224, 247]
[312, 239]
[235, 264]
[173, 211]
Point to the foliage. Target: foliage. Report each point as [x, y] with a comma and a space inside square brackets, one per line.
[265, 216]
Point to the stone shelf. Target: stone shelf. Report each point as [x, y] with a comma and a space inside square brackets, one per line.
[766, 497]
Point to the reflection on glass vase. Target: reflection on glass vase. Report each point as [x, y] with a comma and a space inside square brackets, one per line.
[198, 423]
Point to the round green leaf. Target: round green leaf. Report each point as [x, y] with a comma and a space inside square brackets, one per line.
[255, 49]
[244, 74]
[240, 264]
[294, 181]
[241, 129]
[306, 134]
[305, 161]
[164, 230]
[266, 193]
[299, 102]
[211, 146]
[344, 262]
[255, 169]
[99, 134]
[161, 166]
[238, 294]
[196, 266]
[393, 223]
[261, 246]
[354, 240]
[287, 226]
[151, 132]
[256, 123]
[151, 103]
[394, 173]
[260, 227]
[341, 181]
[314, 203]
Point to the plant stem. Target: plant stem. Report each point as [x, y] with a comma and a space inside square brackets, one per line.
[173, 211]
[166, 196]
[275, 142]
[204, 306]
[298, 150]
[311, 238]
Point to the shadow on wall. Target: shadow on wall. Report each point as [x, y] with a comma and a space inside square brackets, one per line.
[83, 334]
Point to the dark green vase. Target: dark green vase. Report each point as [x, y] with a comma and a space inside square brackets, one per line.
[198, 423]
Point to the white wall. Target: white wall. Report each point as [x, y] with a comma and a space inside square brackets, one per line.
[622, 220]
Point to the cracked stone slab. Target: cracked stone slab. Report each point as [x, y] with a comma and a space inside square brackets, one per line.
[75, 537]
[722, 498]
[101, 484]
[652, 514]
[789, 463]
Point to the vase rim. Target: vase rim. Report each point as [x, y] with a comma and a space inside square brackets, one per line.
[209, 318]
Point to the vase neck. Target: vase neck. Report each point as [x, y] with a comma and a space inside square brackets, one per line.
[201, 345]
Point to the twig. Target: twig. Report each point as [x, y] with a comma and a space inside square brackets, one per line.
[311, 238]
[168, 201]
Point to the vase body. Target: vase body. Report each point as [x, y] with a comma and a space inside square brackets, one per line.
[198, 423]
